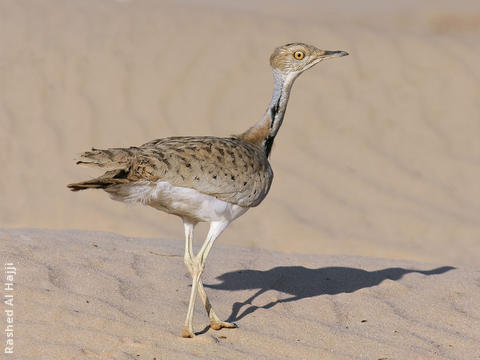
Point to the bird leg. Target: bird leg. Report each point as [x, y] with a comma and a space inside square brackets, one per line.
[188, 259]
[187, 331]
[215, 322]
[195, 266]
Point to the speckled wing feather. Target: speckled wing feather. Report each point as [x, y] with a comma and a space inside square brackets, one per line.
[230, 169]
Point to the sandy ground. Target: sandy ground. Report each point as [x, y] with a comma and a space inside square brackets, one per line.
[378, 155]
[94, 295]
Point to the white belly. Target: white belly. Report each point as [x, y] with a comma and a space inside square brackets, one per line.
[184, 202]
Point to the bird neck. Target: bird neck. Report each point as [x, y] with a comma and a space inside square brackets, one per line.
[263, 132]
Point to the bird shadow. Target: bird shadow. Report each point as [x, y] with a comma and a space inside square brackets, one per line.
[301, 282]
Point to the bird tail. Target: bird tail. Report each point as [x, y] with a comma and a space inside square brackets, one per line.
[116, 161]
[109, 158]
[113, 177]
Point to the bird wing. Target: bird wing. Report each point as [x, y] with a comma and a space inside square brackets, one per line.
[228, 168]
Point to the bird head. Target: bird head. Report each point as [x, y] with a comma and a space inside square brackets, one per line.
[297, 57]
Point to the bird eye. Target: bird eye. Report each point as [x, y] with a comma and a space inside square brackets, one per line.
[299, 55]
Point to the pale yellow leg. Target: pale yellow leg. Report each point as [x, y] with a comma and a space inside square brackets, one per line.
[187, 331]
[195, 266]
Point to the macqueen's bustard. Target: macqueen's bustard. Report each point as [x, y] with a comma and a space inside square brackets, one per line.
[205, 178]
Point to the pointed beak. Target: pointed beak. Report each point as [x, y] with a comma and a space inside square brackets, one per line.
[327, 54]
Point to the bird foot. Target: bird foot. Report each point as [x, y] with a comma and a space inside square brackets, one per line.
[186, 333]
[217, 325]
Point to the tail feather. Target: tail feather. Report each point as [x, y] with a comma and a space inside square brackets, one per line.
[109, 158]
[110, 178]
[116, 161]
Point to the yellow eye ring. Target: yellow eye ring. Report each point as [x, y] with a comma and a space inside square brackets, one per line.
[299, 55]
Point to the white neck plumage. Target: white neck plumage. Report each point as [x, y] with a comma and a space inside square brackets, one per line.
[276, 110]
[263, 132]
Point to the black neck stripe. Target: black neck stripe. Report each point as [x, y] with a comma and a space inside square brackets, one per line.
[268, 144]
[274, 112]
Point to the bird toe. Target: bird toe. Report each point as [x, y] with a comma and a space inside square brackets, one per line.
[217, 325]
[187, 333]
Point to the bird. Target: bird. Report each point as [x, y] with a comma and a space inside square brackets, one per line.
[204, 178]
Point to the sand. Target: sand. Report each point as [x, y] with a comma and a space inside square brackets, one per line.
[378, 154]
[96, 295]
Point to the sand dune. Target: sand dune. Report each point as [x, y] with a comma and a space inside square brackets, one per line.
[94, 295]
[378, 154]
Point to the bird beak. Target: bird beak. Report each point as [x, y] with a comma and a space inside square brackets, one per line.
[327, 54]
[320, 55]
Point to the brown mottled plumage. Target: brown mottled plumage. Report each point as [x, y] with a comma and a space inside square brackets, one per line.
[204, 178]
[230, 169]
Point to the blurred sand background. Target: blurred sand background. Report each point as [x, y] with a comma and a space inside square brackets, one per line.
[379, 154]
[378, 161]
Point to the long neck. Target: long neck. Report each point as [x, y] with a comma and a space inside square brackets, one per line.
[263, 132]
